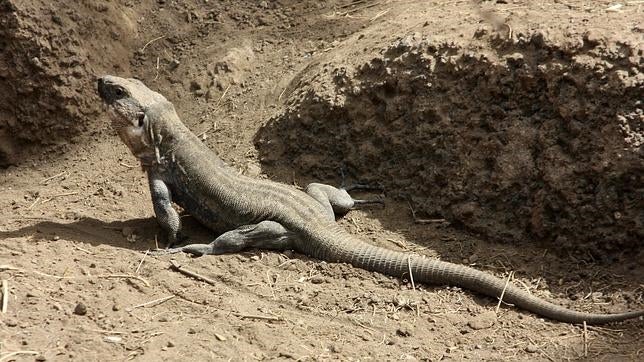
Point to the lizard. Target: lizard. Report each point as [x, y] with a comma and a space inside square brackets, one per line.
[263, 214]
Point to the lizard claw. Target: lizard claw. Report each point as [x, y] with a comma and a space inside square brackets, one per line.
[176, 239]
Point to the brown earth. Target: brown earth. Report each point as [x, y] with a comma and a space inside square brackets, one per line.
[512, 120]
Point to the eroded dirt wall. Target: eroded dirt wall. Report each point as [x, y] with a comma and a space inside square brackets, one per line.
[533, 139]
[50, 54]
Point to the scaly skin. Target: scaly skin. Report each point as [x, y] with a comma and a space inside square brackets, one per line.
[179, 165]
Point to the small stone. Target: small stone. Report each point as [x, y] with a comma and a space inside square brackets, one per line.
[170, 344]
[55, 238]
[174, 63]
[252, 169]
[318, 279]
[405, 330]
[531, 348]
[57, 19]
[254, 258]
[112, 339]
[220, 337]
[115, 308]
[593, 37]
[191, 331]
[80, 309]
[399, 301]
[10, 323]
[482, 321]
[41, 358]
[127, 231]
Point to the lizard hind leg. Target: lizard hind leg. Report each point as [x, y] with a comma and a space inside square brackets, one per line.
[336, 200]
[264, 235]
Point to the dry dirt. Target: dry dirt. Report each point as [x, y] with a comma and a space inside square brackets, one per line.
[516, 125]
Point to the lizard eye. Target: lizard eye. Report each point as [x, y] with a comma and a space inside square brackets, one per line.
[119, 92]
[141, 118]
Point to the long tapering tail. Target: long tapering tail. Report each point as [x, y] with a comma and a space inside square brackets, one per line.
[338, 246]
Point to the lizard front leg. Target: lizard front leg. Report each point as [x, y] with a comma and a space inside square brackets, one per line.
[166, 215]
[268, 235]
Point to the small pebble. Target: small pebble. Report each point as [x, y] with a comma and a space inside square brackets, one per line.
[405, 330]
[32, 294]
[80, 309]
[482, 321]
[531, 348]
[112, 339]
[127, 231]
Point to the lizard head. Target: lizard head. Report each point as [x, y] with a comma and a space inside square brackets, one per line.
[127, 100]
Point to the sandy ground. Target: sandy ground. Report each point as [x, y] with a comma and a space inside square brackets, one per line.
[77, 219]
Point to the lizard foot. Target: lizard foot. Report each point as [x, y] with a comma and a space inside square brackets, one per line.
[366, 187]
[159, 252]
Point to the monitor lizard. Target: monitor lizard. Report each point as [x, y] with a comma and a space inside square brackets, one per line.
[259, 213]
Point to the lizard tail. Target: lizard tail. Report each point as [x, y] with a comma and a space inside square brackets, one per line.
[339, 246]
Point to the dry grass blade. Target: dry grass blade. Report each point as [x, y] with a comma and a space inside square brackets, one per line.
[151, 41]
[411, 275]
[585, 339]
[106, 276]
[190, 273]
[8, 356]
[507, 282]
[45, 181]
[5, 295]
[138, 268]
[254, 316]
[150, 303]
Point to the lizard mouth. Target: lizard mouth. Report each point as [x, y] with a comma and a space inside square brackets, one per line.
[130, 129]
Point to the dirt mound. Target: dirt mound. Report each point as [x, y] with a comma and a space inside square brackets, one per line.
[538, 137]
[48, 67]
